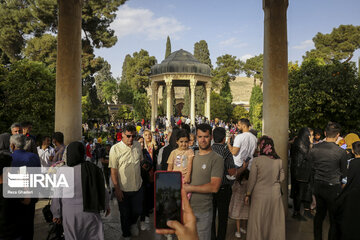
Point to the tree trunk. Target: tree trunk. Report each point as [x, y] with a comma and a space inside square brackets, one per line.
[68, 71]
[349, 58]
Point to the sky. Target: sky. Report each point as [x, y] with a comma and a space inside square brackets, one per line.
[233, 27]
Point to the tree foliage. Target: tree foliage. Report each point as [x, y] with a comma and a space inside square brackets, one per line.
[27, 92]
[319, 93]
[338, 45]
[200, 100]
[138, 69]
[28, 29]
[106, 85]
[21, 19]
[186, 108]
[239, 112]
[168, 47]
[92, 108]
[124, 112]
[142, 107]
[42, 49]
[220, 107]
[228, 67]
[201, 53]
[253, 67]
[255, 111]
[125, 93]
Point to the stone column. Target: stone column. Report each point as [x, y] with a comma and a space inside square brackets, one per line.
[169, 104]
[153, 103]
[207, 103]
[192, 101]
[172, 101]
[68, 71]
[156, 100]
[276, 94]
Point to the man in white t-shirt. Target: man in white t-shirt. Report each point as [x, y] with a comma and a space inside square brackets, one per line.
[244, 144]
[46, 153]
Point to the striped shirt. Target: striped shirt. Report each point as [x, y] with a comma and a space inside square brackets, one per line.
[224, 152]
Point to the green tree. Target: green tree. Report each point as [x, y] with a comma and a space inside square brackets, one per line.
[220, 107]
[199, 100]
[201, 53]
[319, 93]
[141, 104]
[92, 108]
[124, 112]
[255, 111]
[42, 49]
[28, 94]
[253, 67]
[126, 62]
[21, 19]
[228, 67]
[138, 69]
[338, 45]
[239, 112]
[125, 93]
[168, 47]
[186, 108]
[106, 85]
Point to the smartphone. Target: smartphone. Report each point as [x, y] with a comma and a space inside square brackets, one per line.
[247, 159]
[168, 205]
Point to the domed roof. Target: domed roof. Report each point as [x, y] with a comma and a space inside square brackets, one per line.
[180, 61]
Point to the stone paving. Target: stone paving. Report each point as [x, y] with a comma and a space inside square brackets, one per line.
[294, 230]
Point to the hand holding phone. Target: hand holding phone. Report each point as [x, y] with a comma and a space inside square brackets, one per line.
[167, 198]
[186, 231]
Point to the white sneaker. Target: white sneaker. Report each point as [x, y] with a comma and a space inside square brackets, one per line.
[230, 177]
[242, 230]
[237, 235]
[143, 226]
[134, 230]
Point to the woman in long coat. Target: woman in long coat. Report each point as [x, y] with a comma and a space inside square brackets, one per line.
[266, 215]
[80, 215]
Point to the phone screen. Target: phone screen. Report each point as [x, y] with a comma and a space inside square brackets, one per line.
[167, 198]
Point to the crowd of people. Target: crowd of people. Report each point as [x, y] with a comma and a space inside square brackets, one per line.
[228, 172]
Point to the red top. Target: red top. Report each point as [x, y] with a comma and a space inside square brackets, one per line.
[118, 136]
[88, 150]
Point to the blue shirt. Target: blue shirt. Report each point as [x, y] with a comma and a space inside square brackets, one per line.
[23, 158]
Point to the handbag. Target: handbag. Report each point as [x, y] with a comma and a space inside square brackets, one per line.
[47, 213]
[56, 232]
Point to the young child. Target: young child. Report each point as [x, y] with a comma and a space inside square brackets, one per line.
[181, 158]
[237, 208]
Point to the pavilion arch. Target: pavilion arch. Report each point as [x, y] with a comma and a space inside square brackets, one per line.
[179, 69]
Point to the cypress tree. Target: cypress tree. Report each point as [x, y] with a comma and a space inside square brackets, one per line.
[168, 47]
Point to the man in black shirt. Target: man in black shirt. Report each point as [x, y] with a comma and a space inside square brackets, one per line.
[328, 166]
[221, 199]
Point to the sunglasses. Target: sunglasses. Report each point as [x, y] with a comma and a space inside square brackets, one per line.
[129, 136]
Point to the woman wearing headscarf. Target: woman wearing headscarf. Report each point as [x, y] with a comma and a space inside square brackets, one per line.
[266, 214]
[347, 210]
[169, 148]
[80, 215]
[301, 173]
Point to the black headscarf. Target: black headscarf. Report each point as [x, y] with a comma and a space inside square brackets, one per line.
[169, 148]
[5, 143]
[92, 181]
[347, 204]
